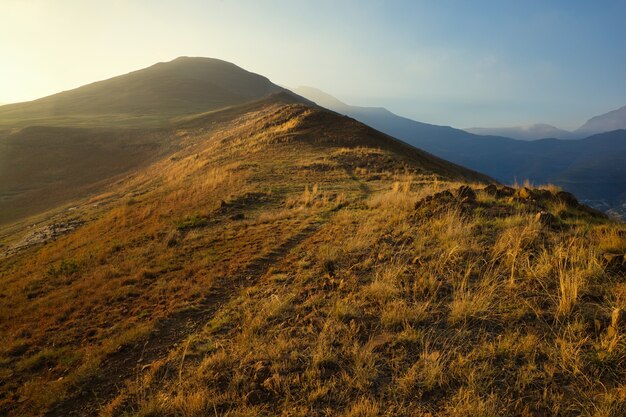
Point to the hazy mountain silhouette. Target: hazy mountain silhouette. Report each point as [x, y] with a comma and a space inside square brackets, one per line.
[612, 120]
[149, 96]
[607, 122]
[593, 168]
[530, 132]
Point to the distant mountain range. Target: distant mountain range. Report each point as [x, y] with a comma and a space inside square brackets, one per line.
[530, 132]
[607, 122]
[593, 168]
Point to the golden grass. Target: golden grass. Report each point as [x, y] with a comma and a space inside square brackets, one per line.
[356, 302]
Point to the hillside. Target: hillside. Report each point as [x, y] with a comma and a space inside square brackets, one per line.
[67, 145]
[281, 259]
[241, 184]
[267, 256]
[148, 97]
[509, 160]
[44, 167]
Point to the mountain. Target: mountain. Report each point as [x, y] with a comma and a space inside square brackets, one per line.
[508, 160]
[276, 258]
[612, 120]
[148, 97]
[530, 132]
[57, 148]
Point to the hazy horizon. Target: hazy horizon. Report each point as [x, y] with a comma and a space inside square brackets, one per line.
[488, 64]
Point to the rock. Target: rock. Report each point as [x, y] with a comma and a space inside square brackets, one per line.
[545, 218]
[238, 216]
[499, 192]
[615, 261]
[505, 192]
[491, 190]
[46, 234]
[618, 318]
[442, 197]
[567, 198]
[465, 194]
[539, 194]
[525, 193]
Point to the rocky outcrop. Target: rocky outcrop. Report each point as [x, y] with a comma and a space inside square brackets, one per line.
[45, 234]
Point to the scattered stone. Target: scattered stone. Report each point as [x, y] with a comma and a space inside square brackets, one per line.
[525, 193]
[618, 322]
[45, 234]
[499, 192]
[491, 190]
[545, 218]
[505, 192]
[567, 198]
[441, 197]
[615, 261]
[618, 318]
[465, 194]
[540, 194]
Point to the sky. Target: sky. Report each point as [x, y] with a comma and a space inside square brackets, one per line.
[462, 63]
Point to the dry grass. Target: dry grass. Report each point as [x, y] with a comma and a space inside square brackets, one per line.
[367, 305]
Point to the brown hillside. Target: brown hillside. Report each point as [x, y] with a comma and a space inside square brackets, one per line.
[284, 260]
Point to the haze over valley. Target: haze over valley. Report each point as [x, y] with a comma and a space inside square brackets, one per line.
[593, 168]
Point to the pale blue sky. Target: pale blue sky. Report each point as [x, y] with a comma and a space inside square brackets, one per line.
[463, 63]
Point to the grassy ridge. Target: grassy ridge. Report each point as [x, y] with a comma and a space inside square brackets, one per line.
[289, 261]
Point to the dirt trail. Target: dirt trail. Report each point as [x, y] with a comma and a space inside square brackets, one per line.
[167, 333]
[126, 363]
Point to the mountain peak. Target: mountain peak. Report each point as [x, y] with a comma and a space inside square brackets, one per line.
[149, 96]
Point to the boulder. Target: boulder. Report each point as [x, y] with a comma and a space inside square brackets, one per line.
[525, 193]
[539, 194]
[567, 198]
[505, 192]
[615, 261]
[465, 194]
[491, 190]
